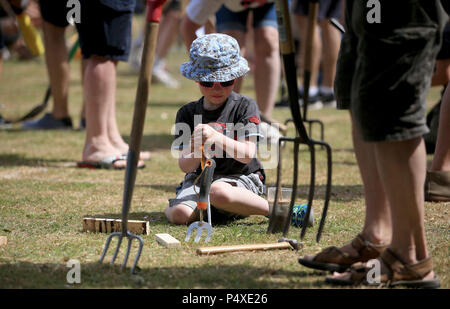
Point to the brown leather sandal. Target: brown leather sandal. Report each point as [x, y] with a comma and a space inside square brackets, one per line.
[393, 272]
[335, 260]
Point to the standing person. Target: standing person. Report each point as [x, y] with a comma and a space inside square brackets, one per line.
[238, 181]
[105, 38]
[437, 183]
[231, 19]
[54, 15]
[325, 49]
[383, 76]
[168, 30]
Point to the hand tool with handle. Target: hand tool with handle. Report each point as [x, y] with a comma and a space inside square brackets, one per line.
[154, 10]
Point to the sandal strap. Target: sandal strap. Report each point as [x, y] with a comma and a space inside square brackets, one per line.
[399, 270]
[366, 251]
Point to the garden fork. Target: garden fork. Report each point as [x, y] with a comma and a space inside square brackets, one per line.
[203, 203]
[154, 9]
[288, 53]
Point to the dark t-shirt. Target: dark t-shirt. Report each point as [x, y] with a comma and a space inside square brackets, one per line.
[237, 118]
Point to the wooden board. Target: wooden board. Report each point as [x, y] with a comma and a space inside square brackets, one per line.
[105, 225]
[3, 240]
[255, 247]
[167, 240]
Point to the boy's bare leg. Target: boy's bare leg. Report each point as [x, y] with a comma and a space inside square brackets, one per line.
[179, 214]
[237, 200]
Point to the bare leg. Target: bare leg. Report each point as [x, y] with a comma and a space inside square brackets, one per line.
[99, 94]
[331, 43]
[267, 68]
[241, 38]
[441, 159]
[377, 225]
[167, 33]
[237, 200]
[302, 22]
[179, 214]
[58, 68]
[402, 166]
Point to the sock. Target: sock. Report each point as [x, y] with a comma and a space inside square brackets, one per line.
[326, 90]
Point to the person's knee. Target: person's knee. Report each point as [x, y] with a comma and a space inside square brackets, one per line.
[219, 194]
[178, 214]
[266, 41]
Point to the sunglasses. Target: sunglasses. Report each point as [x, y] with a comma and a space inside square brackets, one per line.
[221, 84]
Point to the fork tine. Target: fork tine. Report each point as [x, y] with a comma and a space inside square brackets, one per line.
[117, 250]
[127, 254]
[138, 255]
[105, 249]
[199, 234]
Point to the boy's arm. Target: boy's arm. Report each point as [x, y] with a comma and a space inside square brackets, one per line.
[189, 160]
[242, 151]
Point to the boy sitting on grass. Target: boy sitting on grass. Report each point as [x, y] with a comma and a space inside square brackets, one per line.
[225, 127]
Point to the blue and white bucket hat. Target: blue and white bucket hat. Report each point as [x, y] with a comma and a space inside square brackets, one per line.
[214, 58]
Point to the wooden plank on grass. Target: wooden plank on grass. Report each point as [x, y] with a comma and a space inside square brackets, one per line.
[105, 225]
[3, 240]
[167, 240]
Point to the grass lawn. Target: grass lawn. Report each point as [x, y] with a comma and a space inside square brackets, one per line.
[44, 196]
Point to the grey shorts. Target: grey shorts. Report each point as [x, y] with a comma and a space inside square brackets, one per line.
[384, 69]
[187, 194]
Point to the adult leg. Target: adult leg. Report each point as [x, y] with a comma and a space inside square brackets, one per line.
[241, 38]
[302, 22]
[331, 42]
[267, 68]
[441, 159]
[99, 85]
[402, 166]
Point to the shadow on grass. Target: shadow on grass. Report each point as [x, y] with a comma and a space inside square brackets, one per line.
[154, 142]
[21, 160]
[159, 218]
[95, 275]
[342, 193]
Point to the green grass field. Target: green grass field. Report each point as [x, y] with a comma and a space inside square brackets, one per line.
[44, 196]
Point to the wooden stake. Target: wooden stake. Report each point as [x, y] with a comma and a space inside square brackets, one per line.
[104, 225]
[225, 249]
[167, 240]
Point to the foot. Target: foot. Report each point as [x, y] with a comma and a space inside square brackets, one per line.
[48, 122]
[340, 259]
[393, 271]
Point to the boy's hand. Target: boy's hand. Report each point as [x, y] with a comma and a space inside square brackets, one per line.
[204, 135]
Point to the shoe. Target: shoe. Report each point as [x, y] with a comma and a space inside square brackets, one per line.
[270, 133]
[437, 186]
[328, 100]
[106, 163]
[48, 122]
[160, 75]
[299, 213]
[393, 272]
[82, 125]
[314, 101]
[4, 124]
[335, 260]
